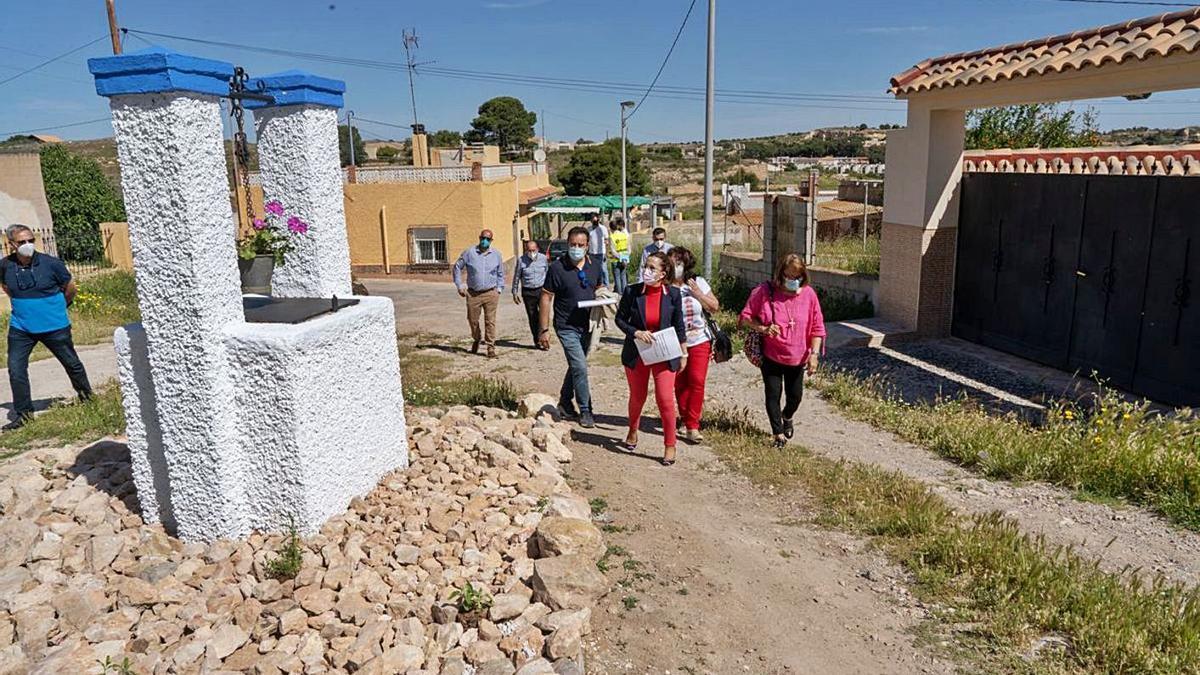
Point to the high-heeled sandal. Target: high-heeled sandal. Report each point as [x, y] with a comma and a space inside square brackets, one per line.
[667, 462]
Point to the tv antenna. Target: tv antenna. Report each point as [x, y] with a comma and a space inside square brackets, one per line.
[411, 43]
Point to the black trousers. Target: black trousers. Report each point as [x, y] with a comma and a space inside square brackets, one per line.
[60, 344]
[532, 297]
[786, 381]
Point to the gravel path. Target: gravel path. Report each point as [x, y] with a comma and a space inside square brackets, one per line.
[1118, 537]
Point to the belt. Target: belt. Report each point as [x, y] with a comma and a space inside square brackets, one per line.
[480, 291]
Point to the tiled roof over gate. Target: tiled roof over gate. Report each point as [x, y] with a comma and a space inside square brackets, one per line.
[1139, 39]
[1144, 160]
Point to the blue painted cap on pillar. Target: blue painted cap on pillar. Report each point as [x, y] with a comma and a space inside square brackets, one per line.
[296, 87]
[158, 69]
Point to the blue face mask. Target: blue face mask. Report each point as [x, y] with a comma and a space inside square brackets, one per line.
[485, 243]
[792, 285]
[577, 252]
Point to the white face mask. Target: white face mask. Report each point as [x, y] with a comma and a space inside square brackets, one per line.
[659, 243]
[650, 276]
[26, 250]
[679, 272]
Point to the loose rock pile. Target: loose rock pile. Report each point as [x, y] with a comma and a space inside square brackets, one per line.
[82, 577]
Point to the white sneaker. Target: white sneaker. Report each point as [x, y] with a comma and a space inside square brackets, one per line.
[693, 435]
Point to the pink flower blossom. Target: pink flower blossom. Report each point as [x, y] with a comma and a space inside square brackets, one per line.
[260, 224]
[296, 225]
[274, 208]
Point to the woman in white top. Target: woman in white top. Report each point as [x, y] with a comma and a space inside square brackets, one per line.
[698, 298]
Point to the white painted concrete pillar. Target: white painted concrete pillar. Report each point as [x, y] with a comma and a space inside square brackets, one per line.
[167, 123]
[300, 166]
[920, 219]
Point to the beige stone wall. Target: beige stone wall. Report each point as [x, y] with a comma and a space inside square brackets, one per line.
[22, 197]
[116, 245]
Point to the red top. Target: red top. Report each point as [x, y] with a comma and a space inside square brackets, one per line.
[653, 307]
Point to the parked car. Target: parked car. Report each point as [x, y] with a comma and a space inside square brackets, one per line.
[553, 248]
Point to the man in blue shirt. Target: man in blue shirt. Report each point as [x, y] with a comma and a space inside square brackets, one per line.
[570, 279]
[482, 288]
[528, 279]
[41, 289]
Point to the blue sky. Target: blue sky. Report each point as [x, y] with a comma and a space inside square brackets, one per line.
[802, 46]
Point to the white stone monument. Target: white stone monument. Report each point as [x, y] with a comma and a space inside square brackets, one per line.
[233, 425]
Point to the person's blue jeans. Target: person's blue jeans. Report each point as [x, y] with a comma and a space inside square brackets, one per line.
[620, 276]
[60, 344]
[575, 382]
[601, 260]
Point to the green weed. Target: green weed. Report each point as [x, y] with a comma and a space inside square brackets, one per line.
[287, 564]
[471, 599]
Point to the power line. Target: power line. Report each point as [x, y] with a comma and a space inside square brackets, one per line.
[1130, 2]
[568, 84]
[57, 126]
[52, 60]
[664, 62]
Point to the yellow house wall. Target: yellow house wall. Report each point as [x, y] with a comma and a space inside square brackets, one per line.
[462, 208]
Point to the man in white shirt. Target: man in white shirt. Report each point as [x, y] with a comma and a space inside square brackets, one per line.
[599, 244]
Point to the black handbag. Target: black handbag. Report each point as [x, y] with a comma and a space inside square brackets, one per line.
[722, 346]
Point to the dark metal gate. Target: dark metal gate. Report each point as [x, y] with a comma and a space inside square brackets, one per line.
[1085, 273]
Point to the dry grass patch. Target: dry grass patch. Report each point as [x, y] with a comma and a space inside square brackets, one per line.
[1110, 449]
[1016, 588]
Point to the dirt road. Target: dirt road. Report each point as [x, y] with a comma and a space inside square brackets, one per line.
[726, 577]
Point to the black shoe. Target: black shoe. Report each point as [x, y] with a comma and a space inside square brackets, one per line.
[788, 429]
[567, 412]
[778, 442]
[586, 420]
[475, 347]
[17, 423]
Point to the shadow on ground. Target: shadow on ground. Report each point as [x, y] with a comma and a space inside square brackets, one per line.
[928, 371]
[106, 466]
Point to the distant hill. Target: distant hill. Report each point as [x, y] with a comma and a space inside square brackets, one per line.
[104, 151]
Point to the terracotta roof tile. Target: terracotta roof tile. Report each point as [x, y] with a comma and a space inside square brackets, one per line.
[1143, 160]
[1139, 39]
[537, 194]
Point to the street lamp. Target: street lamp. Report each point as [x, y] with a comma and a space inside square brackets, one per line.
[625, 105]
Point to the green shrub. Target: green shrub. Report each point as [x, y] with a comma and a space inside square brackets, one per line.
[80, 198]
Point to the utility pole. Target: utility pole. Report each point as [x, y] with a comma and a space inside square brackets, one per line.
[411, 43]
[350, 136]
[113, 28]
[866, 210]
[543, 114]
[625, 105]
[708, 138]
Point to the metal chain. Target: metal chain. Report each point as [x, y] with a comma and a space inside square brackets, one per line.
[241, 149]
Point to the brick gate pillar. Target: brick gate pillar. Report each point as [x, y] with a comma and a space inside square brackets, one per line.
[920, 220]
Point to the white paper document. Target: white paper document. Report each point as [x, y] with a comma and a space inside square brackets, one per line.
[664, 348]
[585, 304]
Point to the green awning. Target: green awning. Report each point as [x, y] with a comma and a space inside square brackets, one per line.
[589, 204]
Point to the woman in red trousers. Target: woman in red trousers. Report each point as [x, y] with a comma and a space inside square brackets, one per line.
[647, 308]
[698, 298]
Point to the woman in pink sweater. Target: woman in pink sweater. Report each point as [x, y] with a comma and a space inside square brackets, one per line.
[785, 310]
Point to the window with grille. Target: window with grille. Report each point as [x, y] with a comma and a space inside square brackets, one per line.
[429, 245]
